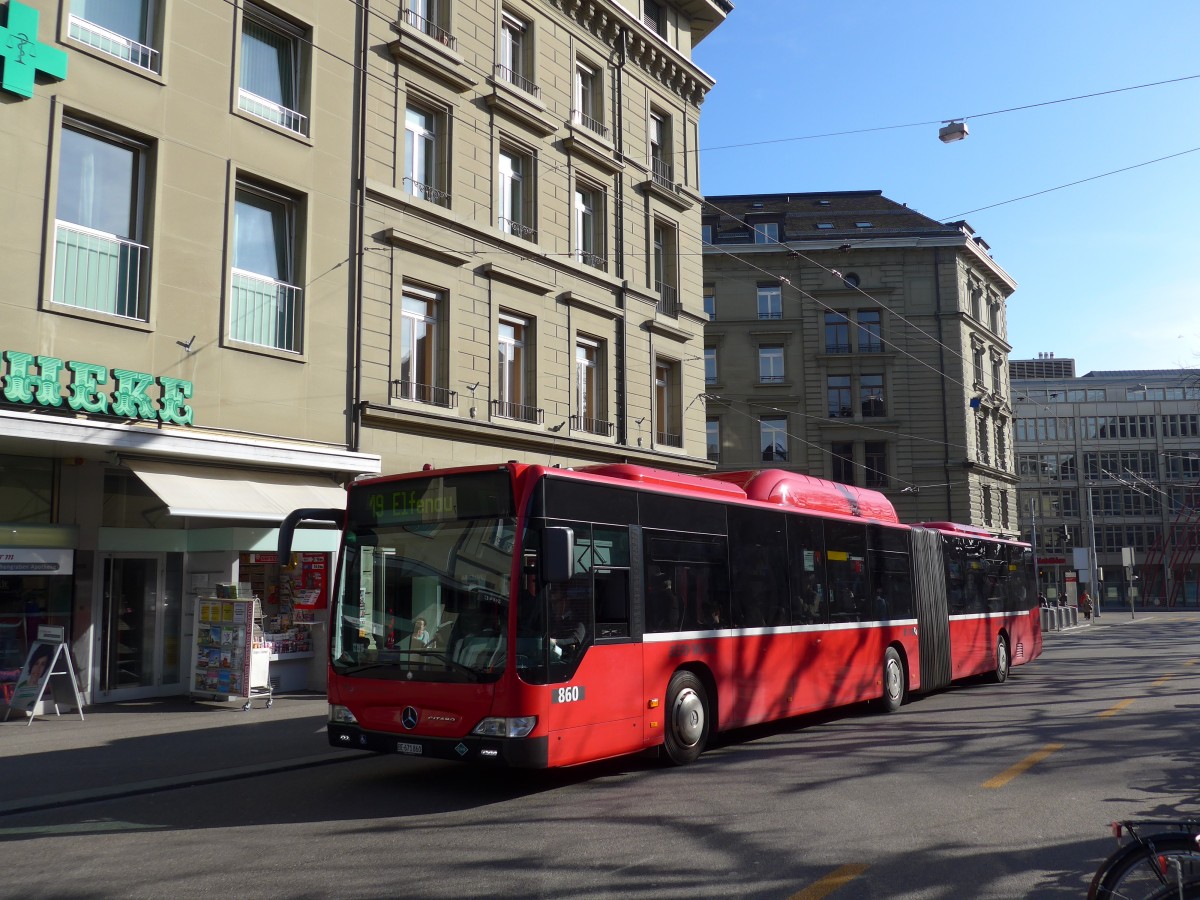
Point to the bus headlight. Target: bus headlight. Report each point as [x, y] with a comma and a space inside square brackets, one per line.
[516, 727]
[340, 715]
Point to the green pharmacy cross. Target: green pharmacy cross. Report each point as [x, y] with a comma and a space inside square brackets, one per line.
[23, 56]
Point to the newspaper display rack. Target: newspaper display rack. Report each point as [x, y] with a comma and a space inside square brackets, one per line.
[229, 661]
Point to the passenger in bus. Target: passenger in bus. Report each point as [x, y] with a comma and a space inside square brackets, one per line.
[566, 630]
[810, 601]
[421, 637]
[710, 616]
[879, 607]
[664, 609]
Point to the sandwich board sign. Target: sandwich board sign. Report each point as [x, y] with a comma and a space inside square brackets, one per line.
[48, 658]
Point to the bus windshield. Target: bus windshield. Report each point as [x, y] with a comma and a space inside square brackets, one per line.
[425, 579]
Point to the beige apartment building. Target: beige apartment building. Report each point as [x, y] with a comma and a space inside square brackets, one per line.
[531, 263]
[853, 338]
[179, 282]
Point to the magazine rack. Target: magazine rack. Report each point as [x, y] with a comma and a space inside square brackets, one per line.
[228, 661]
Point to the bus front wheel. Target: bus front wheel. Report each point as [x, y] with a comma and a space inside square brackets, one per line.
[1000, 674]
[893, 681]
[687, 721]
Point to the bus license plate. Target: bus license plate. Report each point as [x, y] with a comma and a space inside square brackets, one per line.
[410, 749]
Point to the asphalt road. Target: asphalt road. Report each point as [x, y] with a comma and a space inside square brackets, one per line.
[982, 791]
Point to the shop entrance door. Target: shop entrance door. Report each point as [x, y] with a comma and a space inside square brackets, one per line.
[139, 633]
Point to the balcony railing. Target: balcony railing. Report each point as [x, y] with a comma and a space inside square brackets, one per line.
[592, 426]
[504, 73]
[770, 313]
[579, 117]
[770, 379]
[516, 229]
[264, 311]
[595, 260]
[668, 299]
[661, 171]
[426, 192]
[667, 439]
[424, 393]
[272, 112]
[101, 272]
[505, 410]
[423, 25]
[870, 346]
[837, 348]
[113, 44]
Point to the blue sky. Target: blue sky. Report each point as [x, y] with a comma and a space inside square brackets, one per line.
[1105, 270]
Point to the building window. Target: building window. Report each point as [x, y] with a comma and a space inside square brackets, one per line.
[838, 394]
[875, 464]
[422, 146]
[981, 439]
[589, 386]
[770, 301]
[773, 438]
[870, 331]
[654, 17]
[420, 351]
[101, 262]
[710, 365]
[987, 505]
[710, 302]
[712, 439]
[841, 457]
[516, 55]
[430, 17]
[871, 396]
[513, 365]
[515, 194]
[708, 233]
[766, 233]
[587, 107]
[668, 418]
[770, 364]
[977, 354]
[266, 305]
[837, 333]
[998, 374]
[272, 76]
[124, 30]
[661, 168]
[1004, 509]
[589, 227]
[1001, 430]
[666, 283]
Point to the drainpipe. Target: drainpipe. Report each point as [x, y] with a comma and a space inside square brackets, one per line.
[937, 294]
[622, 343]
[357, 229]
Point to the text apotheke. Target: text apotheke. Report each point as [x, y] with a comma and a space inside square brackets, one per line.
[38, 381]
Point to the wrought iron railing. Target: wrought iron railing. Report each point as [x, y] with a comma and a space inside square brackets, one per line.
[424, 393]
[113, 44]
[518, 81]
[667, 439]
[428, 192]
[836, 348]
[579, 117]
[505, 410]
[661, 171]
[595, 260]
[99, 271]
[668, 299]
[272, 112]
[592, 426]
[770, 379]
[266, 312]
[764, 313]
[516, 229]
[423, 25]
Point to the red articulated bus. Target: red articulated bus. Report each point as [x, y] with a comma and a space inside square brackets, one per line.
[538, 617]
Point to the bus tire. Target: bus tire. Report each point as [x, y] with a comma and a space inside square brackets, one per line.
[893, 681]
[1003, 663]
[687, 719]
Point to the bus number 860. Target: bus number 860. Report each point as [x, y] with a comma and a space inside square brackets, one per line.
[570, 694]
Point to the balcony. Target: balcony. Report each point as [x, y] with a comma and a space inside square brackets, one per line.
[770, 379]
[272, 112]
[100, 272]
[835, 348]
[429, 394]
[595, 260]
[429, 29]
[516, 229]
[426, 192]
[661, 171]
[265, 312]
[504, 410]
[592, 426]
[582, 119]
[520, 82]
[668, 299]
[667, 439]
[113, 44]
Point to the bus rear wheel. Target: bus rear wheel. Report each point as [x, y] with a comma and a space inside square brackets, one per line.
[1002, 661]
[687, 720]
[893, 681]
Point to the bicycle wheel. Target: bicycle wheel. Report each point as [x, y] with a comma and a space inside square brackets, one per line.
[1189, 890]
[1134, 872]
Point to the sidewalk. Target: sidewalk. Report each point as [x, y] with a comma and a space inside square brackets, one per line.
[129, 748]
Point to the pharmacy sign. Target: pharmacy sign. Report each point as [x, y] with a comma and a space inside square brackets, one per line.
[23, 56]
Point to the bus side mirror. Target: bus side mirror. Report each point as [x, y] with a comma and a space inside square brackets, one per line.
[558, 554]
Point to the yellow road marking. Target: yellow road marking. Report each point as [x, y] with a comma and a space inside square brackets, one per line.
[1023, 766]
[1191, 662]
[1113, 710]
[1162, 681]
[830, 883]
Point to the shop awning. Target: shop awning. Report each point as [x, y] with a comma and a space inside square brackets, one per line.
[217, 493]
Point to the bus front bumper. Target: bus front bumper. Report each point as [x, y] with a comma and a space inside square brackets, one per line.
[525, 753]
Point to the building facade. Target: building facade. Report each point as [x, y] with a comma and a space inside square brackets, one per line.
[1110, 480]
[852, 338]
[176, 236]
[531, 260]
